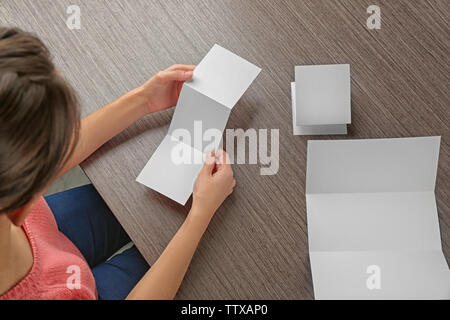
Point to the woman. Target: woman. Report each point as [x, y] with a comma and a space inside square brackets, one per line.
[56, 248]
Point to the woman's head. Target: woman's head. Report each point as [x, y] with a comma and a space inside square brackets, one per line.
[38, 119]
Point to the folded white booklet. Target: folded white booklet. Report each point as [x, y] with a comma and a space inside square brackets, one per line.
[321, 99]
[372, 220]
[203, 107]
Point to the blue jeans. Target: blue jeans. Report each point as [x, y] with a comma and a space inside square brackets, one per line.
[83, 216]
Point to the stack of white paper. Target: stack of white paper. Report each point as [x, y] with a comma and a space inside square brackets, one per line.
[372, 219]
[218, 83]
[321, 99]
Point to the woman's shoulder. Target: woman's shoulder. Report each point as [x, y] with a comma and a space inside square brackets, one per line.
[59, 271]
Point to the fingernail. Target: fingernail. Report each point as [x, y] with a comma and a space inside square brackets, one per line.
[188, 74]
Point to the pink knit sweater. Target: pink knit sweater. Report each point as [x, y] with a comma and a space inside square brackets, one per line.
[59, 270]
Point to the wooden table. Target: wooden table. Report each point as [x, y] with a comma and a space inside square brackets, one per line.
[256, 246]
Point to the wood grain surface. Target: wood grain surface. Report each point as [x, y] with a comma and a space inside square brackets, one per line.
[256, 246]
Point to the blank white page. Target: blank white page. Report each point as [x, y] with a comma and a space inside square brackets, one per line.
[170, 178]
[397, 221]
[223, 76]
[325, 129]
[323, 94]
[372, 165]
[194, 107]
[404, 275]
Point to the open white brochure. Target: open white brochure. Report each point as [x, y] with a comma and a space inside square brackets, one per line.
[205, 103]
[373, 227]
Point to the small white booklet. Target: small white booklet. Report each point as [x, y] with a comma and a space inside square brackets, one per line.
[204, 105]
[321, 99]
[373, 227]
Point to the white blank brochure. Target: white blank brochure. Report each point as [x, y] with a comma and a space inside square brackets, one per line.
[219, 81]
[373, 227]
[321, 99]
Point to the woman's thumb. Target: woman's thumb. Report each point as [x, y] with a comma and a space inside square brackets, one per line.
[210, 163]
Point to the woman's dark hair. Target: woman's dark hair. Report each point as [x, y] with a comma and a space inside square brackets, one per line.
[39, 119]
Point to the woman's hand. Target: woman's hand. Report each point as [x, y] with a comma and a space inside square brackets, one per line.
[163, 89]
[214, 184]
[158, 93]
